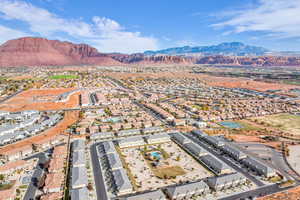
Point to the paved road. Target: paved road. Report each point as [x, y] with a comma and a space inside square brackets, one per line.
[261, 191]
[277, 159]
[235, 167]
[31, 190]
[10, 96]
[99, 180]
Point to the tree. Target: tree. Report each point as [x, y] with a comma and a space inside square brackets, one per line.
[145, 149]
[1, 177]
[81, 115]
[34, 147]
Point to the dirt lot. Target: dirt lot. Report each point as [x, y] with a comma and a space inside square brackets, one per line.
[245, 138]
[292, 194]
[244, 83]
[18, 78]
[40, 100]
[69, 118]
[287, 123]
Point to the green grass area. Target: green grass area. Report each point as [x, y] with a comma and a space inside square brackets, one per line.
[287, 183]
[247, 126]
[197, 106]
[23, 186]
[63, 76]
[5, 186]
[284, 122]
[291, 82]
[275, 179]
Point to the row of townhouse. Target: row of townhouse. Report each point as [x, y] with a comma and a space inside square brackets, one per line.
[209, 160]
[187, 191]
[27, 128]
[113, 164]
[79, 178]
[131, 132]
[166, 115]
[129, 125]
[236, 153]
[18, 115]
[204, 187]
[140, 141]
[124, 133]
[10, 128]
[172, 109]
[223, 182]
[157, 195]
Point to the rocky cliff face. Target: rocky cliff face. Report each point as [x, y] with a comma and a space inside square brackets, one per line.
[161, 59]
[42, 52]
[38, 52]
[253, 61]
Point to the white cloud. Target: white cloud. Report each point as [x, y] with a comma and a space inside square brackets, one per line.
[106, 25]
[107, 34]
[278, 18]
[8, 34]
[113, 38]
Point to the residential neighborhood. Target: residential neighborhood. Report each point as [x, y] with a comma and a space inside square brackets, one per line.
[127, 135]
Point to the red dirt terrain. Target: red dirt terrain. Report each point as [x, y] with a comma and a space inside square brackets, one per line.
[292, 194]
[29, 100]
[244, 83]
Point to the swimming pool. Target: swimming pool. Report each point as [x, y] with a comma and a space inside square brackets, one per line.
[155, 155]
[229, 124]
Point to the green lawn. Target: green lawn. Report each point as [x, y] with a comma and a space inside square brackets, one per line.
[291, 82]
[67, 76]
[285, 122]
[5, 186]
[247, 126]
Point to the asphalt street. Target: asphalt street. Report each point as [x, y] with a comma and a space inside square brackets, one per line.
[277, 159]
[10, 96]
[261, 191]
[99, 180]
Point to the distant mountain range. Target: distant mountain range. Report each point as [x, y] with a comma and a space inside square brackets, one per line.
[31, 51]
[227, 49]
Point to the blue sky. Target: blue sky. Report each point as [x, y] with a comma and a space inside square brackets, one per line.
[136, 25]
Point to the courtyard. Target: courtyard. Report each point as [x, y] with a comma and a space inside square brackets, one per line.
[175, 166]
